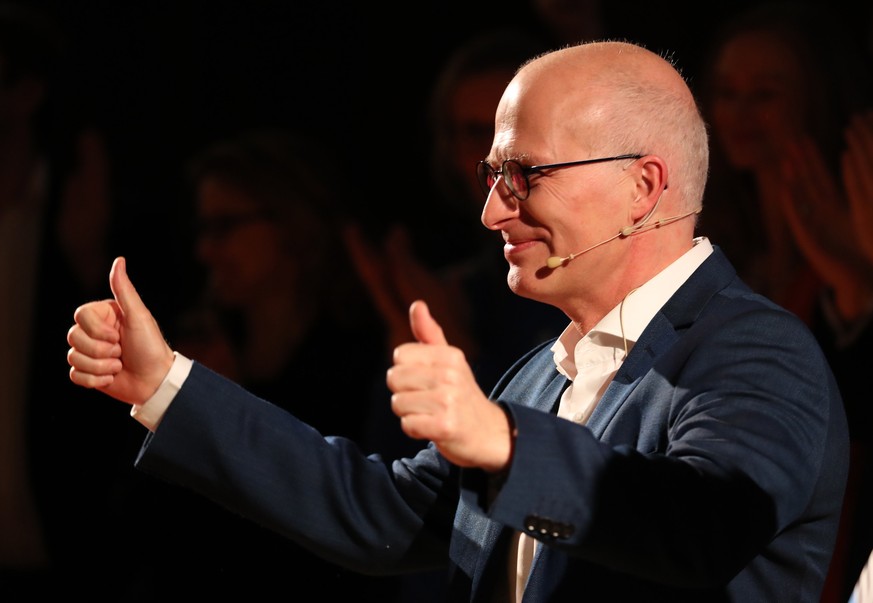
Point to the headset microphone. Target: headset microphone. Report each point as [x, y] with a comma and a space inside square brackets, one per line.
[641, 226]
[555, 261]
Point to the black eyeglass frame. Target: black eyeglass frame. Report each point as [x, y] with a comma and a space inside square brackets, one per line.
[484, 171]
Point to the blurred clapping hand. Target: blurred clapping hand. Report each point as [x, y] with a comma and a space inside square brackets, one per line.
[395, 277]
[832, 221]
[857, 167]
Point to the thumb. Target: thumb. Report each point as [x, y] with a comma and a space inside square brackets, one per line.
[123, 290]
[424, 327]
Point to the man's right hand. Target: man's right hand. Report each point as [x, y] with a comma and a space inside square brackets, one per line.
[437, 398]
[116, 346]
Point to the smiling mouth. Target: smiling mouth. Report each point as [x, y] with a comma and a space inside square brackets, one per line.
[520, 244]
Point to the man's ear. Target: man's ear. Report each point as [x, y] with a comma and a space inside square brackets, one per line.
[651, 181]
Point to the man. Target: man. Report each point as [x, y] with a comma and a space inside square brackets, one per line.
[699, 449]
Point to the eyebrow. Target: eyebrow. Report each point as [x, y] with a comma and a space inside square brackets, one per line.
[523, 158]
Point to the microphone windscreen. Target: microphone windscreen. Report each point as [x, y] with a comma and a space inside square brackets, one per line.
[555, 261]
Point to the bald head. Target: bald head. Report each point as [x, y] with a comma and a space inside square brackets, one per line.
[626, 152]
[634, 99]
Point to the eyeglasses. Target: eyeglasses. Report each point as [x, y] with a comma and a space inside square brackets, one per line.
[515, 175]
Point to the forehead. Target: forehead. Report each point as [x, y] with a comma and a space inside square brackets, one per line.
[760, 55]
[537, 121]
[216, 193]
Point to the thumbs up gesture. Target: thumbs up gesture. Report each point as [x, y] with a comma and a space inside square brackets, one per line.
[437, 398]
[115, 344]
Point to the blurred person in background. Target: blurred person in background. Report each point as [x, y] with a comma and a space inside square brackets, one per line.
[467, 285]
[277, 293]
[55, 216]
[784, 91]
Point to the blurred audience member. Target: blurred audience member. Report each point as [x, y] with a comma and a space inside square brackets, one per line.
[278, 283]
[779, 84]
[466, 284]
[782, 87]
[278, 293]
[857, 169]
[55, 213]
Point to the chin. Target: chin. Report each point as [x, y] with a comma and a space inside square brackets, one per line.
[528, 282]
[514, 278]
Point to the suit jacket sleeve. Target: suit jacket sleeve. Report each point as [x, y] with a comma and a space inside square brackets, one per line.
[258, 460]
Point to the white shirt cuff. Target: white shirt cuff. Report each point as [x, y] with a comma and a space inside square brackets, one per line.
[150, 412]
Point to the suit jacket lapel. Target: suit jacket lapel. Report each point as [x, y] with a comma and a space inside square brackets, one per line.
[680, 311]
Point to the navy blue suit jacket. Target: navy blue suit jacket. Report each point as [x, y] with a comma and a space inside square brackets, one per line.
[712, 469]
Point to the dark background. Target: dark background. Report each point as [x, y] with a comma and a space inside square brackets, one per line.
[163, 79]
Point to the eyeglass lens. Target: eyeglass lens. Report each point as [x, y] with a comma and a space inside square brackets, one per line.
[512, 174]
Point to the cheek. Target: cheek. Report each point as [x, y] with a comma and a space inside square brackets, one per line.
[264, 251]
[777, 115]
[731, 116]
[723, 115]
[543, 210]
[566, 220]
[249, 259]
[749, 133]
[792, 120]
